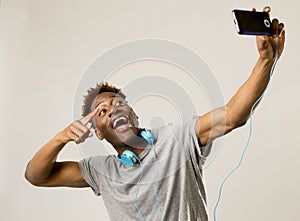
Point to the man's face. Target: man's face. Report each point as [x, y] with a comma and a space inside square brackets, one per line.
[116, 121]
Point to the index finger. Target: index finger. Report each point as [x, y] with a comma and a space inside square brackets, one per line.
[85, 120]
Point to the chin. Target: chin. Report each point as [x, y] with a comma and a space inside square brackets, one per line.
[129, 137]
[123, 136]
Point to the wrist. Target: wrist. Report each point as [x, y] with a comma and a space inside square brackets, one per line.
[266, 61]
[61, 139]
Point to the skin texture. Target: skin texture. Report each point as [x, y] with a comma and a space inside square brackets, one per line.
[44, 170]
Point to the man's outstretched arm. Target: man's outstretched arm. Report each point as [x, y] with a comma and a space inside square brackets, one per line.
[236, 112]
[43, 170]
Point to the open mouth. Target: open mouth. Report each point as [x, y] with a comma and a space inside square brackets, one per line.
[121, 123]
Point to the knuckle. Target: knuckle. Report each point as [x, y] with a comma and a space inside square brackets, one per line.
[76, 122]
[80, 140]
[86, 130]
[70, 134]
[77, 140]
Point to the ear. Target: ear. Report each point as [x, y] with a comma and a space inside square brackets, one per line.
[98, 134]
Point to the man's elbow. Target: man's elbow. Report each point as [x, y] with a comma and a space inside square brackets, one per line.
[234, 121]
[35, 182]
[236, 124]
[31, 178]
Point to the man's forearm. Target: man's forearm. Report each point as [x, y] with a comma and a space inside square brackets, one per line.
[40, 166]
[239, 106]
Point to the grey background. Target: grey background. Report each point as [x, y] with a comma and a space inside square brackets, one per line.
[47, 45]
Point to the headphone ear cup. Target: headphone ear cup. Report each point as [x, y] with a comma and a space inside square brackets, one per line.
[148, 136]
[128, 157]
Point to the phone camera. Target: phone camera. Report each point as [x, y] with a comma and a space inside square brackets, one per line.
[267, 23]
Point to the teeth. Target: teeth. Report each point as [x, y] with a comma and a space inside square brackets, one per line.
[124, 118]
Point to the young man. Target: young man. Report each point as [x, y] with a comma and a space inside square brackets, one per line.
[164, 181]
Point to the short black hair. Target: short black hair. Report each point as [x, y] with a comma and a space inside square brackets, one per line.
[93, 92]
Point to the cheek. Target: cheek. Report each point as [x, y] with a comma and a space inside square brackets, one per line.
[105, 131]
[134, 118]
[101, 123]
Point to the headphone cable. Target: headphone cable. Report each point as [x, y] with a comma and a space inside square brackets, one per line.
[250, 133]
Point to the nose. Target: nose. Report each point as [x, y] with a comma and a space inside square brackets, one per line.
[114, 111]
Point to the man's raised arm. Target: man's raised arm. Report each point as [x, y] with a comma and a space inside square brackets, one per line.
[237, 111]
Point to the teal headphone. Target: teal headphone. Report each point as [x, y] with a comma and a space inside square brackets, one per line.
[130, 158]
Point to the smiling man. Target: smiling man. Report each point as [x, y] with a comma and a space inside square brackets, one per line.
[157, 174]
[115, 121]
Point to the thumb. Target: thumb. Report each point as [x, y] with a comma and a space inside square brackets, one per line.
[262, 42]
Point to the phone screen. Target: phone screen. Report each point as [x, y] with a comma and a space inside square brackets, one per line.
[252, 23]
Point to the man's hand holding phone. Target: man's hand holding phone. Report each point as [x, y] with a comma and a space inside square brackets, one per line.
[259, 24]
[266, 45]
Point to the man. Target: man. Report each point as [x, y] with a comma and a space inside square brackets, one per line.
[164, 181]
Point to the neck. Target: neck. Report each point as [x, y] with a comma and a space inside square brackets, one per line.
[136, 145]
[137, 148]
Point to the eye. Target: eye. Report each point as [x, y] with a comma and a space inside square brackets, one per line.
[120, 103]
[102, 112]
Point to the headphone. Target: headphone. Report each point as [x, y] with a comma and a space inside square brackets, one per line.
[250, 133]
[130, 158]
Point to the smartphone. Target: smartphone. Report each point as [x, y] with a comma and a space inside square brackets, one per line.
[252, 22]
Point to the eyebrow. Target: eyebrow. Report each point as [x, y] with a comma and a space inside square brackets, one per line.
[112, 96]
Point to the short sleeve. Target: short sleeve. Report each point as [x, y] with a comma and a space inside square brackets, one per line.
[185, 131]
[198, 153]
[90, 171]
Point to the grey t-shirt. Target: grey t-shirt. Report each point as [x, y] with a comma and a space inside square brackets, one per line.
[179, 179]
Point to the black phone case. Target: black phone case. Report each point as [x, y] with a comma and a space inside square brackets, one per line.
[252, 23]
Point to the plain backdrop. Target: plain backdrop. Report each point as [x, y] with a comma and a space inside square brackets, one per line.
[45, 46]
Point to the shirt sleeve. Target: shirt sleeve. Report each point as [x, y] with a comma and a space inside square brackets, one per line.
[198, 153]
[184, 130]
[90, 171]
